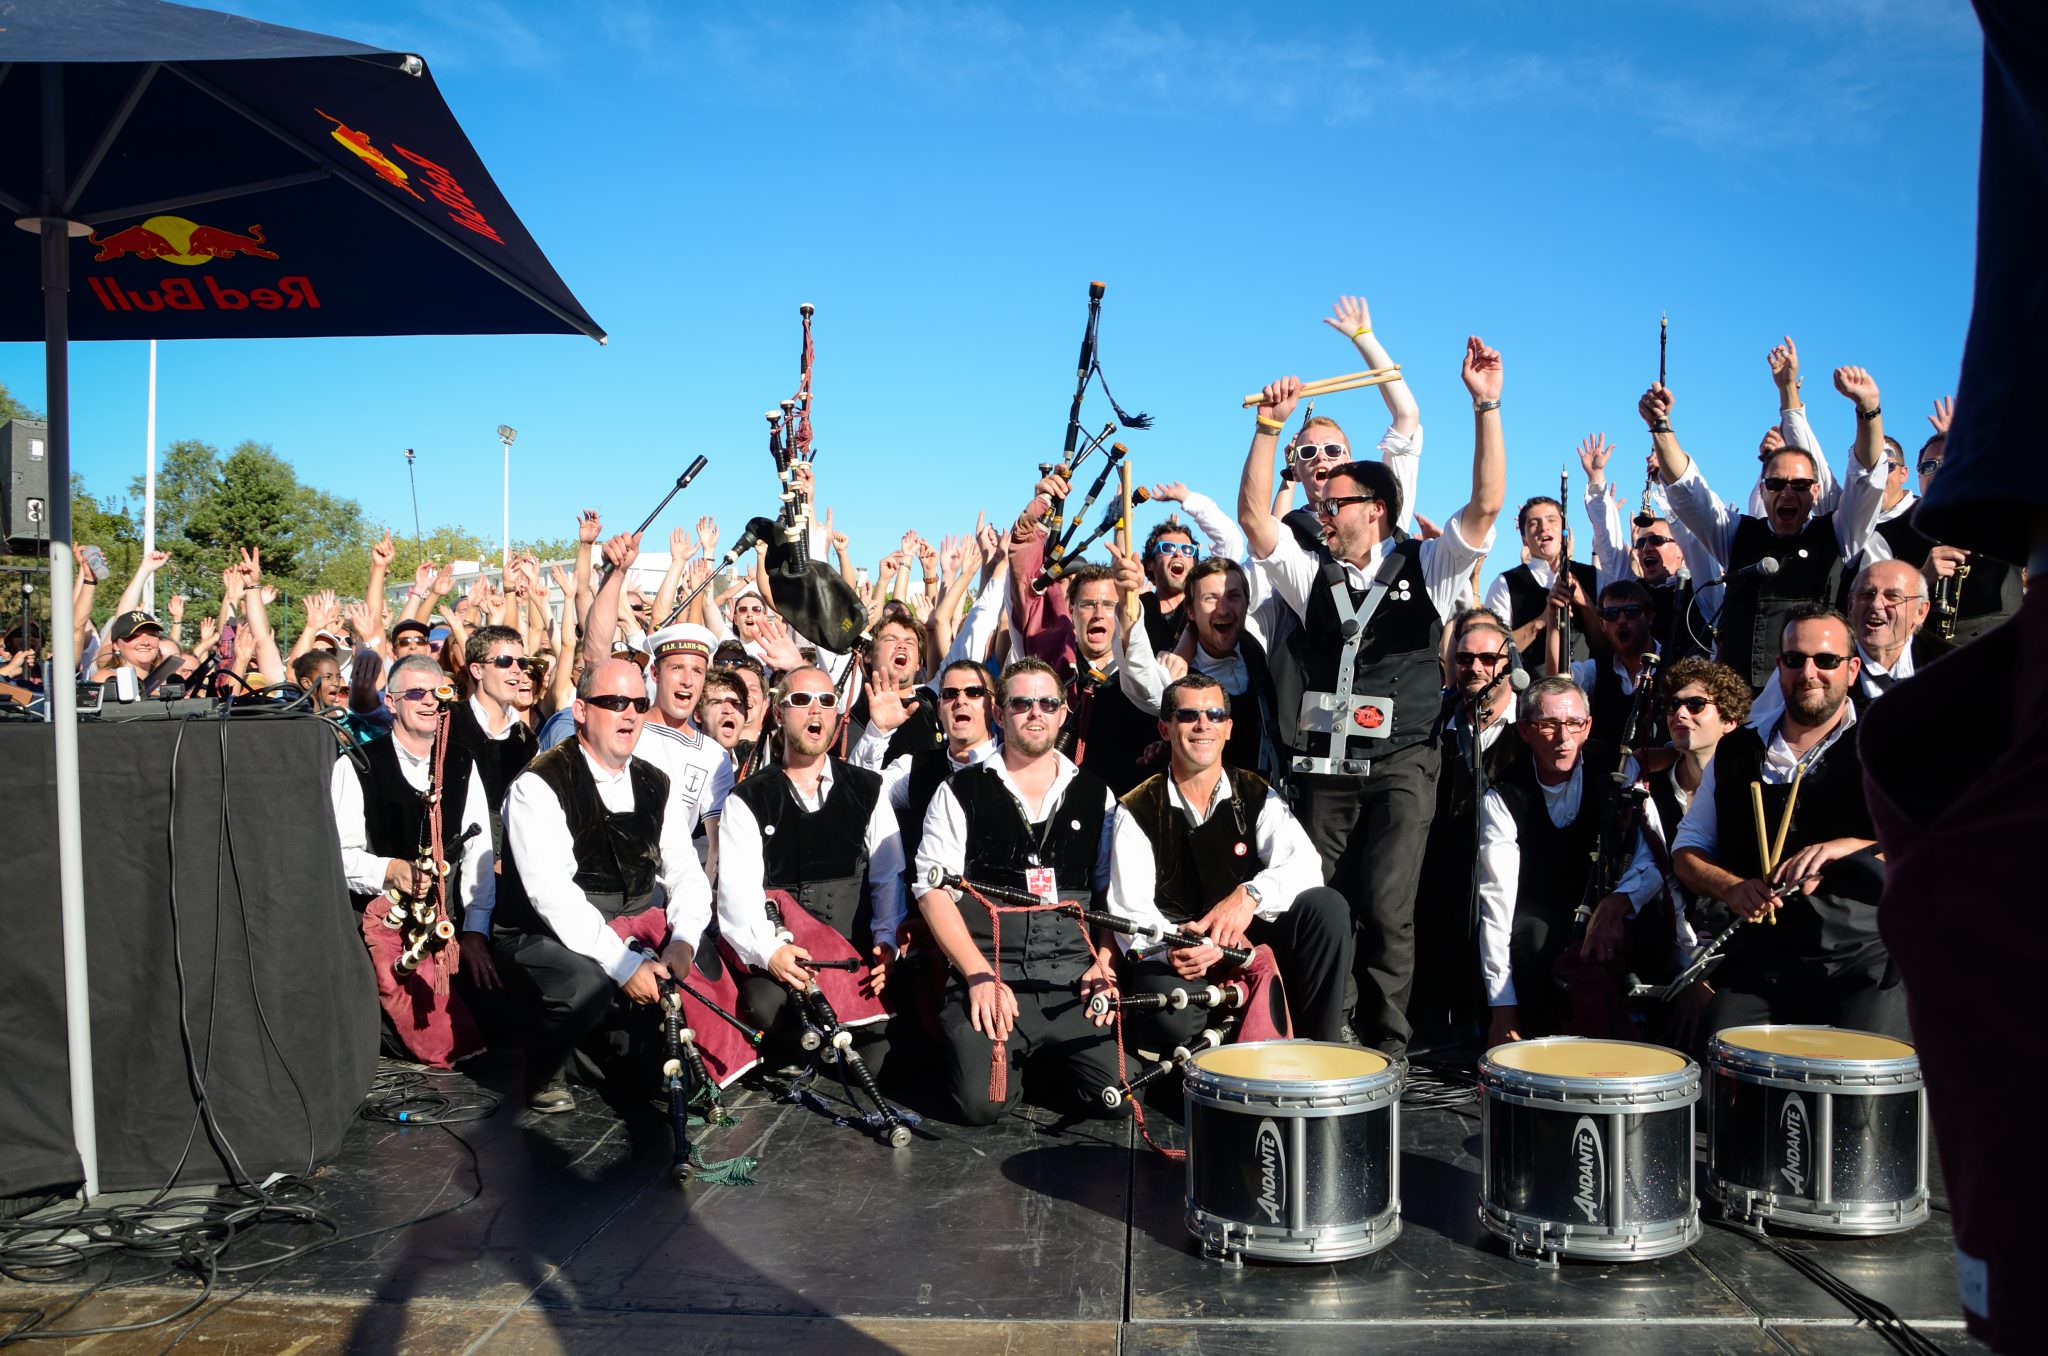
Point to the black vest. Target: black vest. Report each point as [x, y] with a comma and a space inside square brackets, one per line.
[1753, 611]
[394, 813]
[1611, 707]
[1397, 660]
[497, 761]
[1448, 855]
[1002, 846]
[1112, 733]
[1673, 622]
[1837, 927]
[1199, 865]
[819, 856]
[1556, 861]
[1527, 599]
[1308, 531]
[617, 855]
[1163, 629]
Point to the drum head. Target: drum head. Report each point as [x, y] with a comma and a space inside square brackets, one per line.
[1291, 1061]
[1814, 1042]
[1571, 1057]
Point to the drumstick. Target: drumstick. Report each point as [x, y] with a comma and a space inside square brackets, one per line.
[1784, 827]
[1350, 381]
[1763, 840]
[1130, 606]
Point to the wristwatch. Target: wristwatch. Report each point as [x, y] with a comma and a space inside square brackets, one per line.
[1251, 892]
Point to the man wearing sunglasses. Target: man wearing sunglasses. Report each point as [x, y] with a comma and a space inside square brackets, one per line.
[1028, 821]
[1213, 850]
[1626, 619]
[1823, 961]
[967, 706]
[1220, 647]
[818, 830]
[486, 727]
[1888, 610]
[1363, 760]
[1171, 555]
[379, 808]
[1982, 590]
[596, 850]
[1660, 555]
[1811, 551]
[1540, 829]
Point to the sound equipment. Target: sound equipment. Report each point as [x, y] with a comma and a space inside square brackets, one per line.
[25, 485]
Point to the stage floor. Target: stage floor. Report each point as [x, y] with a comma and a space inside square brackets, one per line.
[1028, 1236]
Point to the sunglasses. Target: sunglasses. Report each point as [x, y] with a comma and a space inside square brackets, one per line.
[417, 694]
[1654, 539]
[1329, 506]
[1310, 451]
[1780, 484]
[503, 661]
[1633, 611]
[1825, 662]
[1017, 706]
[973, 692]
[1930, 464]
[617, 701]
[1475, 657]
[1179, 548]
[824, 701]
[1693, 705]
[1189, 715]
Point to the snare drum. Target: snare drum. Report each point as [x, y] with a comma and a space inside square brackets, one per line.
[1293, 1151]
[1817, 1128]
[1586, 1149]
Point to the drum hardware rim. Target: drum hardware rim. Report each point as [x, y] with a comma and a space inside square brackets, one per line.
[1230, 1100]
[1849, 1219]
[1856, 1078]
[1246, 1240]
[1618, 1103]
[1719, 1049]
[1553, 1241]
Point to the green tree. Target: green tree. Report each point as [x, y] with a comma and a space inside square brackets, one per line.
[10, 408]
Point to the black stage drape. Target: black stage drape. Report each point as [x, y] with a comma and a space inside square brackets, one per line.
[277, 993]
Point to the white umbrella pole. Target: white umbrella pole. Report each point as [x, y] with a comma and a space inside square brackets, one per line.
[149, 482]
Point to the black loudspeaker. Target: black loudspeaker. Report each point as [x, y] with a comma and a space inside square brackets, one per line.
[25, 485]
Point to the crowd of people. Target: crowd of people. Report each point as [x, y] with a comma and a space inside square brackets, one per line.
[1449, 807]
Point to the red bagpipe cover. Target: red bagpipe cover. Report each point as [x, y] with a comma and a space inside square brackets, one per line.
[431, 1020]
[726, 1053]
[1265, 1013]
[842, 988]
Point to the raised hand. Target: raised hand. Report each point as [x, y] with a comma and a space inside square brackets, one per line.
[927, 558]
[1859, 386]
[444, 580]
[209, 632]
[1784, 361]
[479, 596]
[1772, 443]
[778, 648]
[621, 551]
[153, 562]
[252, 566]
[1594, 451]
[383, 552]
[1425, 529]
[988, 539]
[888, 705]
[423, 575]
[1171, 489]
[1944, 411]
[952, 555]
[1127, 569]
[357, 617]
[833, 534]
[232, 585]
[1481, 370]
[563, 582]
[588, 526]
[1278, 398]
[1348, 317]
[681, 545]
[176, 607]
[1656, 405]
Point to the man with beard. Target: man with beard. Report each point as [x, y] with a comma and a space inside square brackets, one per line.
[379, 795]
[1029, 821]
[487, 727]
[1540, 831]
[1823, 961]
[1661, 556]
[894, 714]
[1887, 611]
[1213, 850]
[593, 853]
[722, 710]
[1479, 704]
[1072, 627]
[1218, 646]
[819, 829]
[1810, 551]
[1361, 743]
[1610, 682]
[1531, 595]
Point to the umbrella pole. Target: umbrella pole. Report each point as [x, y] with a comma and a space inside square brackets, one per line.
[63, 686]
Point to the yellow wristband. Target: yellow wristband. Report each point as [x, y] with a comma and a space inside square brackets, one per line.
[1361, 332]
[1271, 425]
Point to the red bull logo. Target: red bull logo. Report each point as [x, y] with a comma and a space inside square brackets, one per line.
[175, 240]
[441, 183]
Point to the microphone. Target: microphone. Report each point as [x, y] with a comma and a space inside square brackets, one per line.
[1766, 567]
[691, 473]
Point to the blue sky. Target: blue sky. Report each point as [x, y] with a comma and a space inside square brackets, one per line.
[943, 180]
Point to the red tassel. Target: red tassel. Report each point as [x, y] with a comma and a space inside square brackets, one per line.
[999, 1073]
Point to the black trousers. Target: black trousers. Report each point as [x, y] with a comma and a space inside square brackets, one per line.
[1371, 831]
[573, 997]
[768, 1003]
[1535, 941]
[1311, 941]
[1051, 1020]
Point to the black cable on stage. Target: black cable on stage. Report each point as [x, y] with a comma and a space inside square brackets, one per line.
[1435, 1086]
[1874, 1313]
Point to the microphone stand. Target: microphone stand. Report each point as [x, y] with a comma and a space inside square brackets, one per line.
[682, 483]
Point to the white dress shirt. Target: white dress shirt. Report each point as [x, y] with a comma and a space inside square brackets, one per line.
[483, 721]
[977, 631]
[896, 776]
[1500, 868]
[1295, 574]
[1585, 672]
[1614, 543]
[1715, 522]
[538, 838]
[1701, 827]
[364, 869]
[1291, 864]
[945, 826]
[1144, 679]
[742, 915]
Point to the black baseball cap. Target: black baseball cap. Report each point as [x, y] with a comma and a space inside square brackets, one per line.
[411, 624]
[128, 623]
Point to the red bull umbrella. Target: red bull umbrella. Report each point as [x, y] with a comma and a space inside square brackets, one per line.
[183, 174]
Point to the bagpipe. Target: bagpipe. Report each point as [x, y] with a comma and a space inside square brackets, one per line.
[1617, 831]
[421, 916]
[837, 973]
[809, 594]
[1072, 454]
[683, 1053]
[1146, 934]
[725, 1046]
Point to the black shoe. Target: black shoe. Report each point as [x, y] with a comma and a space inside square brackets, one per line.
[552, 1098]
